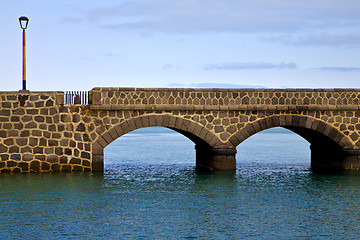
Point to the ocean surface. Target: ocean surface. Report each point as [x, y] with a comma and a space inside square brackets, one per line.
[151, 190]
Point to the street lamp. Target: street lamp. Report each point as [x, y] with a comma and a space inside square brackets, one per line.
[23, 24]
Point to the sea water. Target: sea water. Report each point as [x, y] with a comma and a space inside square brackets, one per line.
[151, 190]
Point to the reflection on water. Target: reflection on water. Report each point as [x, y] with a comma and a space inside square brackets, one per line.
[142, 194]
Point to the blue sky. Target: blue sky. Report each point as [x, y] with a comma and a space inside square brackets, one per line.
[78, 45]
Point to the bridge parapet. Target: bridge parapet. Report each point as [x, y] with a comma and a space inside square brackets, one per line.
[225, 99]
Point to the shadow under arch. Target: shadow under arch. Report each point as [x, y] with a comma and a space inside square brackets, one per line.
[205, 141]
[329, 147]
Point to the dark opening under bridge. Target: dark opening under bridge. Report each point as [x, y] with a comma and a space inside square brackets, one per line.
[39, 132]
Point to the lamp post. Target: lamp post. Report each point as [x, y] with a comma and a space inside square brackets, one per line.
[23, 24]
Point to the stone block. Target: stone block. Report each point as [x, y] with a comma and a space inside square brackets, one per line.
[132, 126]
[15, 119]
[3, 148]
[45, 166]
[33, 111]
[191, 127]
[172, 121]
[4, 119]
[11, 163]
[178, 123]
[269, 122]
[26, 149]
[18, 112]
[53, 143]
[39, 104]
[159, 120]
[85, 155]
[52, 128]
[80, 127]
[4, 112]
[49, 103]
[27, 157]
[245, 133]
[85, 163]
[102, 142]
[38, 150]
[197, 130]
[166, 120]
[252, 130]
[120, 131]
[77, 169]
[34, 166]
[18, 126]
[288, 120]
[65, 118]
[321, 127]
[145, 121]
[5, 170]
[3, 134]
[209, 137]
[315, 124]
[59, 151]
[113, 133]
[75, 161]
[65, 168]
[8, 126]
[86, 138]
[21, 141]
[237, 139]
[217, 129]
[108, 138]
[224, 136]
[14, 149]
[76, 118]
[152, 120]
[40, 157]
[55, 167]
[203, 133]
[256, 126]
[15, 157]
[308, 123]
[63, 160]
[4, 157]
[262, 124]
[24, 166]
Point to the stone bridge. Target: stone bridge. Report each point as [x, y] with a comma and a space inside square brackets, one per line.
[39, 133]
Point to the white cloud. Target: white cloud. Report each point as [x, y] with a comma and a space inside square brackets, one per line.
[213, 85]
[249, 65]
[188, 16]
[323, 39]
[171, 66]
[340, 69]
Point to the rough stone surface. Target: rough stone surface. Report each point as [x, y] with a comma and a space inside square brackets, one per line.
[38, 133]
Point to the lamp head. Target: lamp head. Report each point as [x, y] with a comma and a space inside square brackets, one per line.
[23, 22]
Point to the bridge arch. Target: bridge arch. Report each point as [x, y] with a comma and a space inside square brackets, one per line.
[328, 144]
[201, 136]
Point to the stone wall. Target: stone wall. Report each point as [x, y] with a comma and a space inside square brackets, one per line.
[226, 111]
[39, 134]
[230, 99]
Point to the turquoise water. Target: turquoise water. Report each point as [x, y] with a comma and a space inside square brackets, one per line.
[146, 195]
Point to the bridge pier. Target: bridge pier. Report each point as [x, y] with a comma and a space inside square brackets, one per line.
[351, 159]
[215, 158]
[329, 159]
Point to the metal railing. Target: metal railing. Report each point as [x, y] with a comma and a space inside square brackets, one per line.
[76, 97]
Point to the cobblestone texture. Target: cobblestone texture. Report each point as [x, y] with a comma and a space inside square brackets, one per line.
[39, 134]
